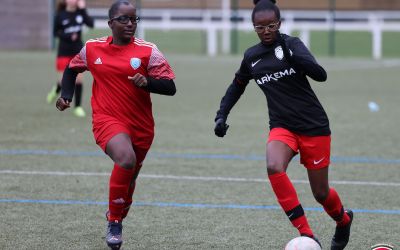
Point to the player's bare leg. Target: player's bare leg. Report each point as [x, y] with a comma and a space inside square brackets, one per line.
[329, 199]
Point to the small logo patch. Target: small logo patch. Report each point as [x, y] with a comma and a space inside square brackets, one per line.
[98, 61]
[279, 52]
[79, 19]
[135, 63]
[319, 161]
[254, 63]
[118, 201]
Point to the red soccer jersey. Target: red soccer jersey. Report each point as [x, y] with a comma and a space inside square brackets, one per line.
[114, 97]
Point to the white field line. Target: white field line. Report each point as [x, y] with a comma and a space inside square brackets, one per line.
[193, 178]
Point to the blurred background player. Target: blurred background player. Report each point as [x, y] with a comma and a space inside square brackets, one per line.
[298, 123]
[125, 70]
[68, 23]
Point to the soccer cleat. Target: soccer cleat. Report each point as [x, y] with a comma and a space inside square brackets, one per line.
[314, 238]
[79, 112]
[52, 95]
[114, 235]
[342, 234]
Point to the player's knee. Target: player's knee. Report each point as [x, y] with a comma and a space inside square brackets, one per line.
[320, 195]
[274, 167]
[126, 159]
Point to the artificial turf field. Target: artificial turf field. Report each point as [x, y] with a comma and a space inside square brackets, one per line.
[195, 191]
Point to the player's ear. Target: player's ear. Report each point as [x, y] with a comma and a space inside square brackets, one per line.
[109, 24]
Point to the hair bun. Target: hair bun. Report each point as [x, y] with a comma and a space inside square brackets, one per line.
[256, 1]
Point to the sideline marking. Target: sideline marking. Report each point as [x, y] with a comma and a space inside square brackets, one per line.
[187, 205]
[334, 159]
[194, 178]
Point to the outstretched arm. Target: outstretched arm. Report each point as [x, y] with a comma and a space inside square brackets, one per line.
[67, 89]
[232, 95]
[301, 58]
[76, 65]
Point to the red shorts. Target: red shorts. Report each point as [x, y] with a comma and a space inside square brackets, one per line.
[315, 151]
[105, 127]
[62, 62]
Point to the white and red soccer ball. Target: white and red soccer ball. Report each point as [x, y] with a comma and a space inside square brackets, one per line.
[302, 243]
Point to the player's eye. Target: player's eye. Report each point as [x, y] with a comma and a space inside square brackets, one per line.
[270, 27]
[124, 19]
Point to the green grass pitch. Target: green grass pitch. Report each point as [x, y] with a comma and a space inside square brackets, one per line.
[183, 164]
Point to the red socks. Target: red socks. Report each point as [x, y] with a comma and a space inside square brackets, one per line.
[287, 198]
[128, 202]
[333, 206]
[120, 181]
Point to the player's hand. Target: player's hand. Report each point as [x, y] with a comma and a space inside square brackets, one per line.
[74, 37]
[139, 80]
[62, 104]
[81, 4]
[220, 127]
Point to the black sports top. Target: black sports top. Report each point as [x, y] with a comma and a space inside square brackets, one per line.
[292, 104]
[65, 24]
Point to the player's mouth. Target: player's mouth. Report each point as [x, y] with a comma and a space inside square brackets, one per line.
[129, 32]
[268, 39]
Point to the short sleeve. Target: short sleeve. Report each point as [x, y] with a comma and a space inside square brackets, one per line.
[158, 66]
[79, 62]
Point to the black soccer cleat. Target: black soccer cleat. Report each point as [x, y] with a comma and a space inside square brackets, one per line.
[342, 234]
[114, 235]
[314, 238]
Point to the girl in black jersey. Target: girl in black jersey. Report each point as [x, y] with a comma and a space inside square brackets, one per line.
[70, 17]
[280, 64]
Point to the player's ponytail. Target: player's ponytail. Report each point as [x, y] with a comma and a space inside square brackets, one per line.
[262, 5]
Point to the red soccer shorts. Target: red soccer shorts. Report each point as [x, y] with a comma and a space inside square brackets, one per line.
[62, 62]
[315, 151]
[105, 127]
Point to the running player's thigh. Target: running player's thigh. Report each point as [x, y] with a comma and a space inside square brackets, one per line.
[279, 154]
[319, 181]
[281, 147]
[119, 147]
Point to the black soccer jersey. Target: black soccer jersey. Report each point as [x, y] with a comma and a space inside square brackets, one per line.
[292, 104]
[67, 23]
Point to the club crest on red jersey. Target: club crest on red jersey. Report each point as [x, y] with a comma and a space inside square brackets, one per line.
[135, 63]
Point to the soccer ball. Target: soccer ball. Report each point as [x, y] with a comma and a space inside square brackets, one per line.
[302, 243]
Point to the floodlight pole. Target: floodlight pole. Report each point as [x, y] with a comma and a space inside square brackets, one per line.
[332, 12]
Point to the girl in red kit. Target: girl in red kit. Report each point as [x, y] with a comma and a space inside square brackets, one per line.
[125, 71]
[280, 65]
